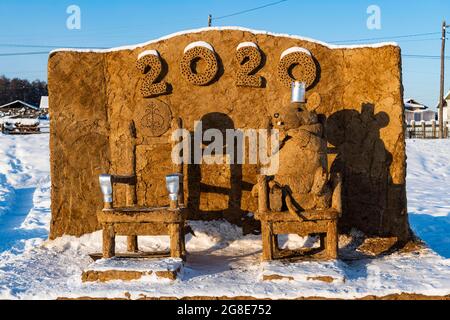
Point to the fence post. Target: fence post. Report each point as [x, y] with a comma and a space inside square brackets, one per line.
[413, 129]
[433, 128]
[445, 129]
[422, 124]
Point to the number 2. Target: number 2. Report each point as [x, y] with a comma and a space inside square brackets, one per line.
[151, 66]
[250, 60]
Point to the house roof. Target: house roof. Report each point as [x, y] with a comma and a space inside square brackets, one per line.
[446, 98]
[27, 105]
[44, 102]
[413, 104]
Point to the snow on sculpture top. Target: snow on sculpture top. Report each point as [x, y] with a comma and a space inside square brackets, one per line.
[147, 53]
[295, 49]
[256, 32]
[303, 61]
[198, 44]
[247, 44]
[199, 50]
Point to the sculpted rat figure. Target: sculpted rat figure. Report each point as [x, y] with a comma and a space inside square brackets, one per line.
[301, 182]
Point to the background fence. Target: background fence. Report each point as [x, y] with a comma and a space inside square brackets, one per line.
[425, 130]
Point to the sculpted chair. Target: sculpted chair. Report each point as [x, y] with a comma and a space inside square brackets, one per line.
[301, 197]
[132, 220]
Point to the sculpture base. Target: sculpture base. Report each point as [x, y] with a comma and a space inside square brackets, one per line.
[128, 269]
[323, 271]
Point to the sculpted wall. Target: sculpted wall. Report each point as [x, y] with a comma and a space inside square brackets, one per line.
[104, 103]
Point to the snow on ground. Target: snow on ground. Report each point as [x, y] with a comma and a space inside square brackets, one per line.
[221, 261]
[429, 192]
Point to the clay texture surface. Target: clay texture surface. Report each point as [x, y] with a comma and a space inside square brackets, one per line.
[94, 97]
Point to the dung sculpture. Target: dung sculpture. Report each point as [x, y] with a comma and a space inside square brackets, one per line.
[240, 74]
[300, 198]
[301, 181]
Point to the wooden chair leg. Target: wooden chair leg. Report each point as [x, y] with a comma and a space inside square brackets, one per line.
[176, 246]
[332, 240]
[132, 244]
[323, 241]
[183, 247]
[275, 245]
[109, 242]
[267, 241]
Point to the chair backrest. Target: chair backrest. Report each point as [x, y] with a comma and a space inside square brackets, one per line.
[132, 193]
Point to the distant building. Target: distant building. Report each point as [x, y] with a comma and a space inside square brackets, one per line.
[44, 103]
[417, 111]
[446, 104]
[19, 109]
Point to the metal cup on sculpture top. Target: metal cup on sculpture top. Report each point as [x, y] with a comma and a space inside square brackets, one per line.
[298, 92]
[107, 190]
[173, 187]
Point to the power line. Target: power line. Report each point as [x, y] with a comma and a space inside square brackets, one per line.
[23, 53]
[9, 45]
[419, 56]
[15, 45]
[388, 38]
[248, 10]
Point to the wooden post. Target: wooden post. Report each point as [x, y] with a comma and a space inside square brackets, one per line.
[433, 128]
[209, 20]
[441, 92]
[176, 234]
[109, 243]
[263, 194]
[131, 188]
[413, 129]
[445, 129]
[180, 168]
[323, 241]
[132, 241]
[332, 239]
[274, 246]
[132, 244]
[173, 204]
[267, 240]
[424, 133]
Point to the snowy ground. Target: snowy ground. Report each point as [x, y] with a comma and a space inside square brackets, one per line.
[221, 262]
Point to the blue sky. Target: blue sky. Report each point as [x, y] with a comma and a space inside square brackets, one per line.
[121, 22]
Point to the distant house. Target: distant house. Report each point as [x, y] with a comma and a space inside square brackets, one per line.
[19, 109]
[417, 111]
[44, 103]
[446, 104]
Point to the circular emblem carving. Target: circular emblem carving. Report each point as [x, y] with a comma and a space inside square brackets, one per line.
[154, 119]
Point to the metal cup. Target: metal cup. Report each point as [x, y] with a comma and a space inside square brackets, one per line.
[298, 92]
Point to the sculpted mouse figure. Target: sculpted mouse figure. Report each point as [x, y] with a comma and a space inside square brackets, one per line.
[301, 182]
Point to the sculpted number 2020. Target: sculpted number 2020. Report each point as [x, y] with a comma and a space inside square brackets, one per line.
[249, 59]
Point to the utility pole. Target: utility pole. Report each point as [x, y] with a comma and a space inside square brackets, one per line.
[441, 94]
[209, 20]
